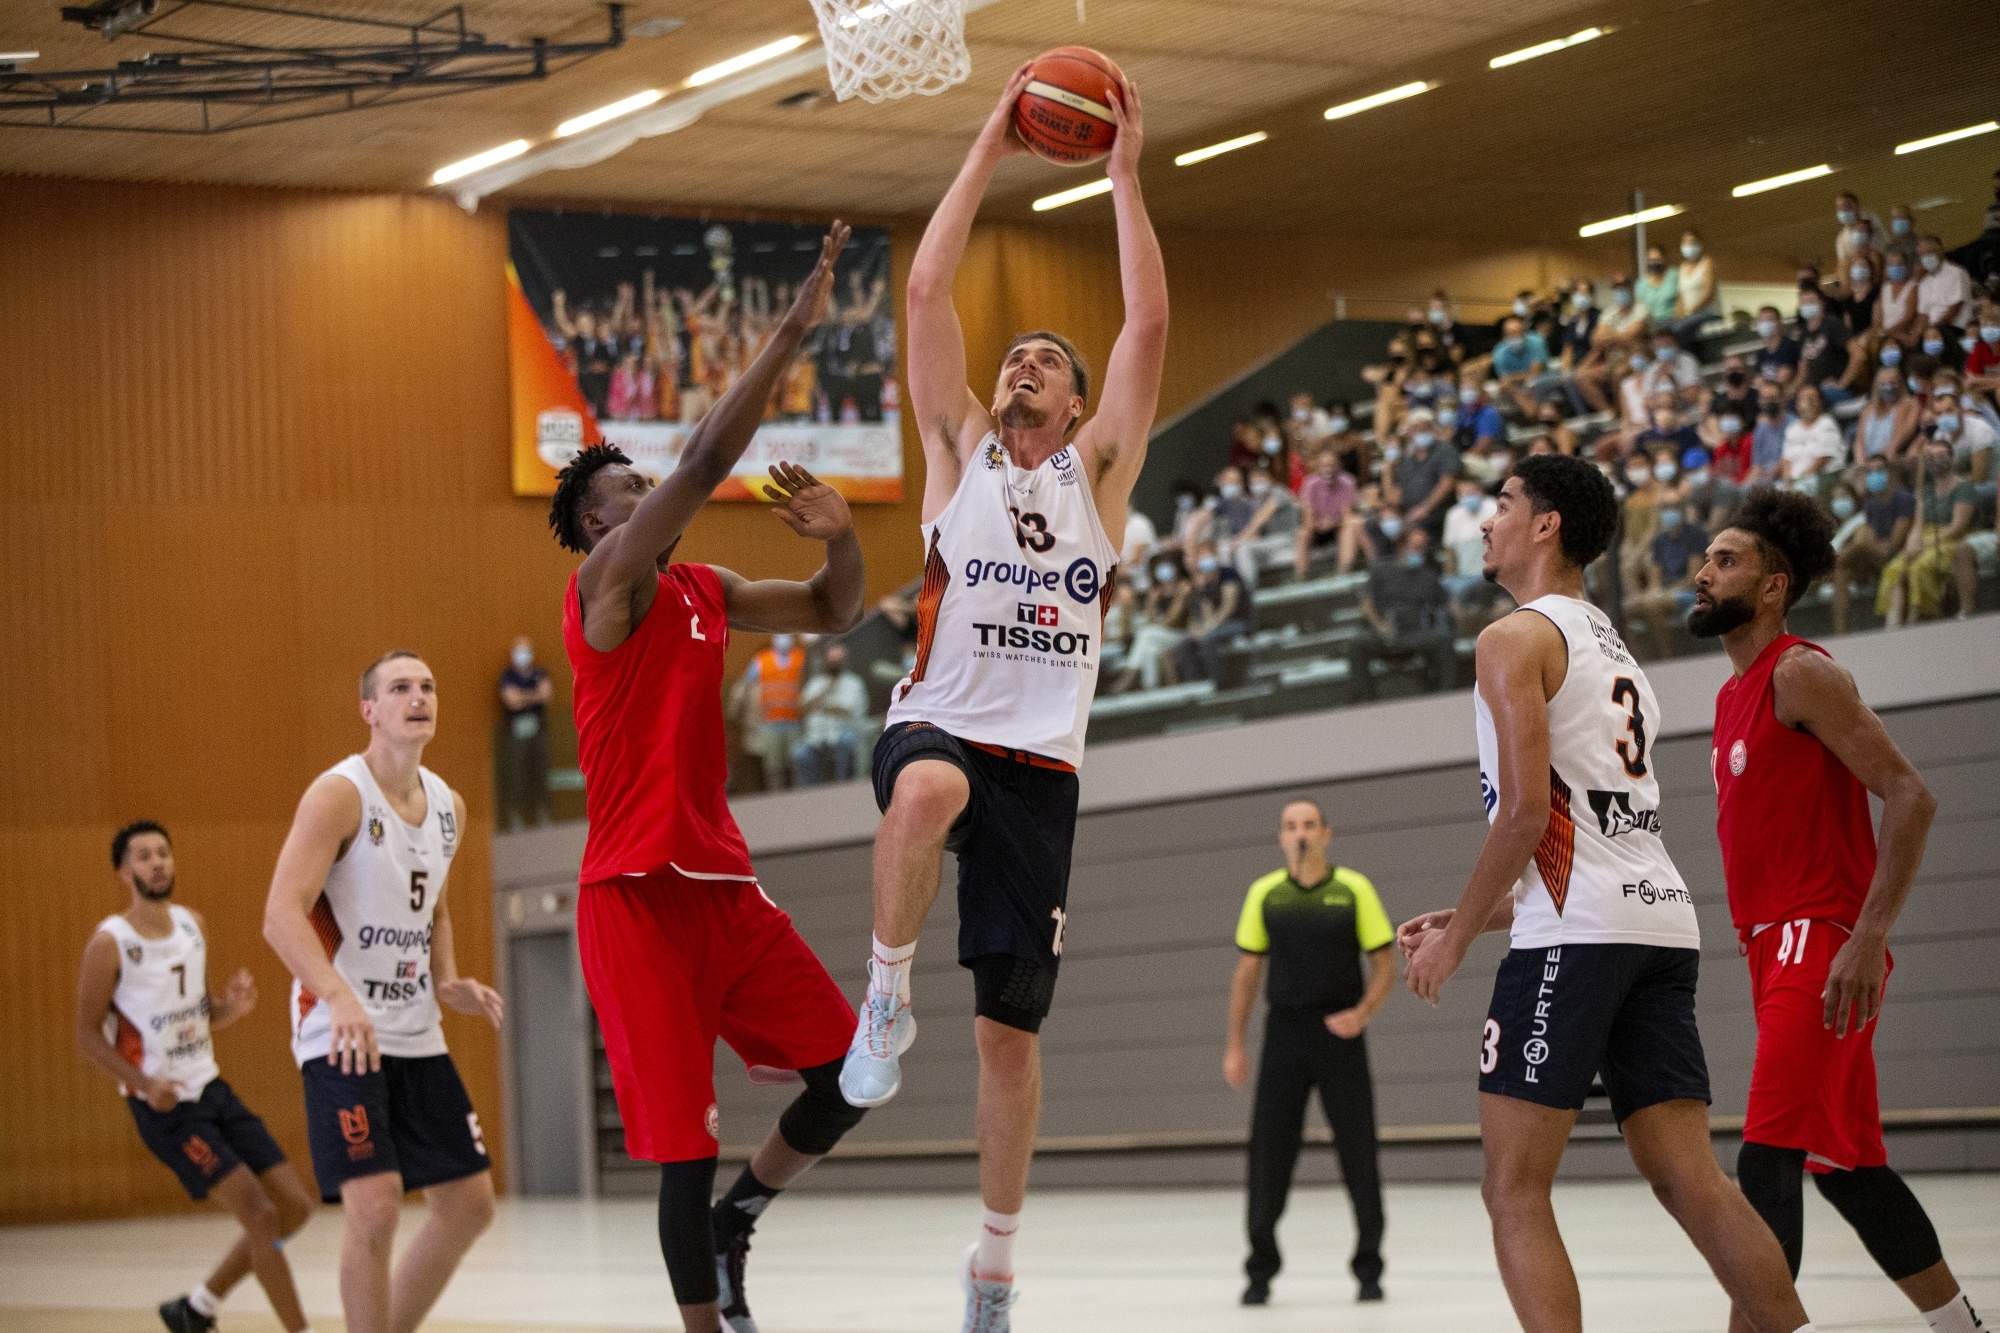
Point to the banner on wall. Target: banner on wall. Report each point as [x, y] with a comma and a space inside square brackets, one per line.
[626, 328]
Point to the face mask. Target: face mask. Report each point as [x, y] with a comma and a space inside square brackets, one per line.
[1734, 379]
[1435, 317]
[1422, 439]
[1521, 308]
[1948, 424]
[1809, 310]
[782, 642]
[1656, 266]
[1301, 413]
[1622, 297]
[1414, 559]
[1272, 444]
[1469, 503]
[1670, 519]
[1184, 503]
[523, 659]
[1468, 396]
[1770, 409]
[1390, 453]
[1842, 506]
[1206, 564]
[1447, 417]
[1689, 250]
[1260, 488]
[1930, 262]
[1665, 471]
[1989, 333]
[1229, 490]
[1638, 476]
[1916, 385]
[1860, 272]
[1731, 425]
[1698, 477]
[1933, 346]
[1900, 226]
[1163, 573]
[1515, 343]
[1390, 525]
[1665, 356]
[1892, 355]
[1766, 328]
[1582, 300]
[1886, 392]
[1844, 216]
[1897, 272]
[1862, 236]
[1338, 425]
[1422, 391]
[1877, 482]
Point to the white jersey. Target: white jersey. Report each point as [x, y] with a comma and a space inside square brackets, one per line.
[1010, 621]
[159, 1012]
[1600, 875]
[374, 917]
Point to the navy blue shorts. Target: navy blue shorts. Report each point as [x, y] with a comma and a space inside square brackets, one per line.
[412, 1116]
[1563, 1016]
[203, 1141]
[1013, 843]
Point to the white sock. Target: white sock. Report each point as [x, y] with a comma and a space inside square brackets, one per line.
[889, 969]
[1954, 1316]
[202, 1301]
[994, 1259]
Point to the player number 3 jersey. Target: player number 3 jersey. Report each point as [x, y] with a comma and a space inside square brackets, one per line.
[1010, 619]
[159, 1012]
[374, 918]
[1600, 874]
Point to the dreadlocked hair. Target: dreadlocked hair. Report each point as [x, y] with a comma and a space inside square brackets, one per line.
[573, 492]
[1793, 528]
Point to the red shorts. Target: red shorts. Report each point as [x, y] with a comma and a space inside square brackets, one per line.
[672, 963]
[1809, 1089]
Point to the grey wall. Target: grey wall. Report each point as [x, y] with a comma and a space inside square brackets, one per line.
[1135, 1043]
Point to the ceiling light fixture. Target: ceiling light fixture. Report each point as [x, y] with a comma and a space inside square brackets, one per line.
[1546, 48]
[592, 119]
[1778, 182]
[1630, 220]
[1361, 104]
[18, 57]
[769, 51]
[479, 161]
[1918, 145]
[1061, 197]
[1218, 149]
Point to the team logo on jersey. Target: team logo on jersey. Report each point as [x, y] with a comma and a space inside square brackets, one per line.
[201, 1154]
[1027, 613]
[134, 952]
[406, 967]
[1615, 814]
[1739, 759]
[713, 1121]
[448, 829]
[996, 457]
[1489, 794]
[354, 1128]
[375, 830]
[1065, 468]
[1081, 580]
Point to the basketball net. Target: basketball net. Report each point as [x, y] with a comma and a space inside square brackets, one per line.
[879, 49]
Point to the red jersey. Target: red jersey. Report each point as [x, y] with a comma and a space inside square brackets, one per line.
[649, 737]
[1798, 839]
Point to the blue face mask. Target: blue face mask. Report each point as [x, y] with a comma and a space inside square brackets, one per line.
[1206, 564]
[1860, 272]
[1414, 559]
[1766, 327]
[1877, 482]
[1184, 503]
[1622, 297]
[1947, 423]
[1901, 226]
[1422, 439]
[782, 642]
[1229, 490]
[1892, 355]
[1163, 573]
[1390, 525]
[1641, 357]
[1338, 425]
[1665, 471]
[1989, 333]
[1447, 417]
[1390, 453]
[1731, 425]
[1933, 346]
[1897, 272]
[1468, 396]
[1469, 503]
[1670, 519]
[1809, 310]
[1842, 506]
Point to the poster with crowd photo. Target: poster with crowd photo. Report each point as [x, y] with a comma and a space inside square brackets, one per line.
[627, 328]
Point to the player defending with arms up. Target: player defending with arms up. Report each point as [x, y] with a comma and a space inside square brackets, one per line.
[1601, 977]
[1022, 525]
[1795, 756]
[357, 912]
[679, 943]
[143, 1015]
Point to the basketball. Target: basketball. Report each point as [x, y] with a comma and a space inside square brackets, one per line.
[1065, 114]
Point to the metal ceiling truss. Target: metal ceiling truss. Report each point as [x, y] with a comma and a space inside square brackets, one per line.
[210, 85]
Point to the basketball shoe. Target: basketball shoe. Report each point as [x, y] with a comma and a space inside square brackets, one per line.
[872, 1072]
[181, 1317]
[730, 1259]
[987, 1302]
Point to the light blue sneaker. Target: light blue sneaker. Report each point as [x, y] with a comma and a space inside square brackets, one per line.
[871, 1074]
[987, 1302]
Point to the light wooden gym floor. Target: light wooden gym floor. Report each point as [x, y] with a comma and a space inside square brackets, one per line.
[1164, 1261]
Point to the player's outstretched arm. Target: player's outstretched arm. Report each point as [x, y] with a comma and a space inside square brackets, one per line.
[1814, 693]
[96, 983]
[1113, 442]
[830, 602]
[328, 819]
[1521, 662]
[628, 553]
[464, 994]
[950, 419]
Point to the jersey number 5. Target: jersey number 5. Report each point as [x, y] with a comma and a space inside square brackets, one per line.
[1631, 753]
[417, 878]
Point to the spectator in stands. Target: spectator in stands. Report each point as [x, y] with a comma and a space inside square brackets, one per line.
[525, 691]
[1377, 525]
[1887, 511]
[1420, 483]
[834, 702]
[1813, 447]
[1349, 446]
[1218, 612]
[1307, 427]
[1738, 392]
[1767, 439]
[1325, 501]
[1189, 515]
[1388, 381]
[779, 672]
[1888, 421]
[1673, 372]
[1478, 424]
[1640, 499]
[1445, 328]
[1666, 593]
[1856, 305]
[1140, 537]
[1121, 621]
[1244, 444]
[1944, 291]
[1901, 226]
[1635, 413]
[1658, 289]
[1730, 445]
[1521, 364]
[1229, 511]
[1950, 354]
[1272, 535]
[1669, 433]
[1420, 390]
[1822, 339]
[1160, 627]
[1859, 229]
[1897, 317]
[1464, 549]
[1914, 581]
[1697, 300]
[1578, 335]
[1965, 432]
[1707, 500]
[1778, 358]
[1554, 427]
[1408, 613]
[1982, 363]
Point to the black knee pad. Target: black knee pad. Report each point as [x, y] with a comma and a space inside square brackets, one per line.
[1891, 1223]
[687, 1236]
[817, 1117]
[1012, 991]
[1770, 1179]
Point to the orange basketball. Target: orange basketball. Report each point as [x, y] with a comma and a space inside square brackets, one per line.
[1064, 114]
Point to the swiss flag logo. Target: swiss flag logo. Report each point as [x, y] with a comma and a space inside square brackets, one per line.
[1028, 613]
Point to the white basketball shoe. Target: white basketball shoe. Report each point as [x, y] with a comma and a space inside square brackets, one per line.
[872, 1072]
[987, 1301]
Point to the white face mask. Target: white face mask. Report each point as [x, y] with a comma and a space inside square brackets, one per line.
[1766, 327]
[782, 642]
[523, 659]
[1260, 488]
[1690, 250]
[1229, 490]
[1272, 444]
[1338, 425]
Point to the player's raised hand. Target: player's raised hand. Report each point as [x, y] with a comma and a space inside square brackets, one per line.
[240, 995]
[808, 505]
[473, 997]
[998, 136]
[809, 306]
[1854, 982]
[354, 1049]
[1131, 121]
[1411, 933]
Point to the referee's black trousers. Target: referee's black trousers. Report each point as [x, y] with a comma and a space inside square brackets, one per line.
[1300, 1055]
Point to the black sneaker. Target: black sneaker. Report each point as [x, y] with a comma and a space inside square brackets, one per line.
[734, 1304]
[1258, 1292]
[180, 1317]
[1371, 1290]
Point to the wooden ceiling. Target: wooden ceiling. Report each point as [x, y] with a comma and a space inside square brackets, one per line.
[1684, 99]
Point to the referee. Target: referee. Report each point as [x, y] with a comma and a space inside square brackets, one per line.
[1313, 921]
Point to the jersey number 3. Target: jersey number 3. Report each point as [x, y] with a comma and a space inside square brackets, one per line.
[1631, 753]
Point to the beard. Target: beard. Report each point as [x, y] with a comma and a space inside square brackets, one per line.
[1720, 617]
[151, 894]
[1018, 415]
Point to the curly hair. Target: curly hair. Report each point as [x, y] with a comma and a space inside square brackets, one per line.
[1794, 535]
[573, 492]
[123, 839]
[1580, 494]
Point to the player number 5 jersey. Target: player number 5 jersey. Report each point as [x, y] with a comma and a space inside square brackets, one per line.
[159, 1012]
[1600, 874]
[374, 918]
